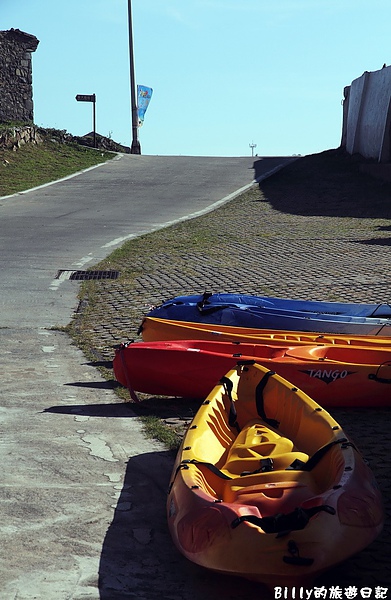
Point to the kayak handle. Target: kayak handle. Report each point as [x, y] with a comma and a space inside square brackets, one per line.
[376, 377]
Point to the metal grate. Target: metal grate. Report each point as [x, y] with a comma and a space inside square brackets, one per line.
[87, 275]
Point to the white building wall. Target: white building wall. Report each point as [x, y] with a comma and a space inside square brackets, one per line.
[367, 126]
[356, 94]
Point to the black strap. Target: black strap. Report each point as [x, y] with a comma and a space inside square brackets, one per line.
[299, 465]
[232, 416]
[280, 523]
[379, 379]
[204, 299]
[209, 310]
[205, 308]
[266, 465]
[319, 454]
[210, 466]
[376, 377]
[260, 400]
[132, 392]
[380, 331]
[380, 312]
[193, 461]
[179, 467]
[294, 557]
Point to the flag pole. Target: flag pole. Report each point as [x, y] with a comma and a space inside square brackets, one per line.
[135, 147]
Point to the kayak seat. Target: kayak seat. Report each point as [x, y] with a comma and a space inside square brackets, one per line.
[257, 464]
[258, 448]
[273, 497]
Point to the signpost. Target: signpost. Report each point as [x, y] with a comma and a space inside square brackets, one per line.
[90, 98]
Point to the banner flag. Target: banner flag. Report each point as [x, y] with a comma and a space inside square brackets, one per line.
[144, 95]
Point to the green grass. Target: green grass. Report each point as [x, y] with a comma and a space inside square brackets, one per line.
[35, 164]
[155, 429]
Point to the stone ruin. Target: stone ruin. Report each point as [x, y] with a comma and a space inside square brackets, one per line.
[16, 91]
[16, 98]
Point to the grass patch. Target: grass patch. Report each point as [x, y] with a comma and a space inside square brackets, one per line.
[36, 164]
[156, 429]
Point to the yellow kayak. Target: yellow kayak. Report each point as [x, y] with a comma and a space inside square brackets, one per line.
[155, 329]
[267, 485]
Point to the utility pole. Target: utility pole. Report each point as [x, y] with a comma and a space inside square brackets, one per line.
[135, 147]
[252, 146]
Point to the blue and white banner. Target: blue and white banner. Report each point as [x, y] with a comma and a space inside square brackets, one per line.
[144, 95]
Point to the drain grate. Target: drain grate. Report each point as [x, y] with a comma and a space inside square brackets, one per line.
[87, 275]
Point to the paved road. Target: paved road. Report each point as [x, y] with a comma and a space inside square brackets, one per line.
[66, 498]
[75, 223]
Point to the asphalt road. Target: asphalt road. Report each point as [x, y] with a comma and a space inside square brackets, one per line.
[75, 223]
[69, 492]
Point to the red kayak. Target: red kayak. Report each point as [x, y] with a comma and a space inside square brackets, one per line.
[334, 376]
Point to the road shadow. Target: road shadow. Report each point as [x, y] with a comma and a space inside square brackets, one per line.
[122, 409]
[139, 559]
[327, 184]
[107, 364]
[375, 242]
[180, 410]
[139, 553]
[267, 165]
[110, 384]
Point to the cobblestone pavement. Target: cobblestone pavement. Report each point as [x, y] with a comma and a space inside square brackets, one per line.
[319, 229]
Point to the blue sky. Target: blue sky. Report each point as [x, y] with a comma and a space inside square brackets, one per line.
[225, 73]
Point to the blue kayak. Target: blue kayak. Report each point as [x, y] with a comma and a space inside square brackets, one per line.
[241, 310]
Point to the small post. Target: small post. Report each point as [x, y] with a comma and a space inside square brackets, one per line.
[252, 146]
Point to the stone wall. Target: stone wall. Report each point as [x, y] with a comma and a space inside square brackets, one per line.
[12, 138]
[16, 91]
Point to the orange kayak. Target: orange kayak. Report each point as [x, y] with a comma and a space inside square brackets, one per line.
[334, 376]
[267, 486]
[155, 329]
